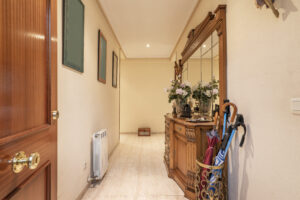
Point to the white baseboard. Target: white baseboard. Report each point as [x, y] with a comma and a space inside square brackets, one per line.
[80, 196]
[137, 133]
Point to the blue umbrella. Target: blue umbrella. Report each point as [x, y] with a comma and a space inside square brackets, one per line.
[227, 123]
[221, 156]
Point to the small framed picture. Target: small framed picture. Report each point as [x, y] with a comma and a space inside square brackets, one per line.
[115, 70]
[73, 34]
[102, 45]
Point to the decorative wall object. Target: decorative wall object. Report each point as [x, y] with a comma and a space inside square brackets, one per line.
[102, 46]
[178, 72]
[115, 69]
[269, 4]
[73, 34]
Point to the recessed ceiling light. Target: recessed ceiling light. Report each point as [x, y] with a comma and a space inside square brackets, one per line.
[147, 45]
[204, 46]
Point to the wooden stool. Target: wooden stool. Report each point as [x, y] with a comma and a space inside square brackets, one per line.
[144, 132]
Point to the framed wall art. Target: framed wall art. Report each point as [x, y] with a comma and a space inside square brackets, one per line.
[115, 69]
[73, 34]
[102, 46]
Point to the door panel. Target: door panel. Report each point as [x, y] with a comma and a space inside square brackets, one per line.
[28, 67]
[36, 187]
[40, 143]
[24, 70]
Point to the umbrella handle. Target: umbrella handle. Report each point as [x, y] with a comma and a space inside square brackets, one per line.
[244, 135]
[232, 130]
[216, 118]
[225, 113]
[240, 122]
[223, 110]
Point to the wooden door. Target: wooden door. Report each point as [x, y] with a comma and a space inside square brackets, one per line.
[28, 66]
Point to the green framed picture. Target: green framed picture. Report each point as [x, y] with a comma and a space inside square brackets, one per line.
[102, 46]
[115, 70]
[73, 34]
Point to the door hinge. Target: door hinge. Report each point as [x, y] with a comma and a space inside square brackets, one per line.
[55, 114]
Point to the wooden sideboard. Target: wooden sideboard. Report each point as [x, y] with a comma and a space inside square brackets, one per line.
[184, 143]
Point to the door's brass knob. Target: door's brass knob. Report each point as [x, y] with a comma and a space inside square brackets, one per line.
[33, 160]
[20, 161]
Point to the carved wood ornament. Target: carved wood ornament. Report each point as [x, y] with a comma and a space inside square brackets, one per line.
[190, 134]
[178, 72]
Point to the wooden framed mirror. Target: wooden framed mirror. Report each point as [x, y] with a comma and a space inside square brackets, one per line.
[204, 57]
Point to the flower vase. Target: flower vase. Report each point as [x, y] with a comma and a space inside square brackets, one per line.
[179, 107]
[205, 107]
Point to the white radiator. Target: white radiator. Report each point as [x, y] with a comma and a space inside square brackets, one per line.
[100, 154]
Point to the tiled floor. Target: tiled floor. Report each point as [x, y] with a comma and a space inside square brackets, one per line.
[137, 172]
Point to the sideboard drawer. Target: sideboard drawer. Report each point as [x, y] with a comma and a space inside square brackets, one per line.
[179, 129]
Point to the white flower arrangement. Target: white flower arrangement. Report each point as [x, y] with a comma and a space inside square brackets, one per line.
[206, 91]
[179, 91]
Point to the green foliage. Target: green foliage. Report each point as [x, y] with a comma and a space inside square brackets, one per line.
[206, 92]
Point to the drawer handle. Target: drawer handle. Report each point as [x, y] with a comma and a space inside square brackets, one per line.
[20, 160]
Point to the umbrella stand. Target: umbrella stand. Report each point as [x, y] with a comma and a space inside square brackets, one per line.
[209, 177]
[204, 172]
[212, 140]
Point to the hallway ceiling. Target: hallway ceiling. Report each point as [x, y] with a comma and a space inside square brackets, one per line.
[158, 23]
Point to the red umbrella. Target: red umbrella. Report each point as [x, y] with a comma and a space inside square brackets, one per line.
[212, 140]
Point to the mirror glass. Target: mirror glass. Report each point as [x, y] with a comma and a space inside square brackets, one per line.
[203, 66]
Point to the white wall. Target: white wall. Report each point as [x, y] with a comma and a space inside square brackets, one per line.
[85, 104]
[143, 100]
[263, 63]
[263, 75]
